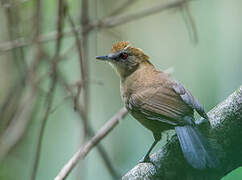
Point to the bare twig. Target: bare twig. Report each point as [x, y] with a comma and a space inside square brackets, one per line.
[83, 151]
[189, 22]
[121, 8]
[49, 99]
[12, 100]
[18, 125]
[84, 46]
[52, 88]
[80, 55]
[22, 42]
[90, 132]
[105, 23]
[37, 23]
[32, 76]
[10, 104]
[122, 19]
[17, 119]
[12, 15]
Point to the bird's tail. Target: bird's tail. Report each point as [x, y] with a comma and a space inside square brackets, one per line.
[196, 147]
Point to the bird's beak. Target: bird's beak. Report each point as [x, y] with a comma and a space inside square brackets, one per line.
[104, 58]
[107, 57]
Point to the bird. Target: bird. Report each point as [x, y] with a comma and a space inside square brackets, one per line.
[160, 103]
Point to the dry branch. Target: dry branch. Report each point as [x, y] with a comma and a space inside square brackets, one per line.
[53, 83]
[122, 7]
[125, 18]
[190, 23]
[18, 125]
[104, 155]
[22, 42]
[107, 22]
[226, 129]
[83, 151]
[80, 56]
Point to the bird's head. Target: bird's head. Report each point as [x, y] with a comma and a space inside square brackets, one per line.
[125, 58]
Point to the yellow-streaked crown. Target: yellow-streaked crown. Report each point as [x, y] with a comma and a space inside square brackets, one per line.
[119, 46]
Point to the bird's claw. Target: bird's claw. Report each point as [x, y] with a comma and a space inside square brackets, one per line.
[145, 159]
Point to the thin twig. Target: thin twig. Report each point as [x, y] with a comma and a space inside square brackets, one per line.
[122, 19]
[105, 23]
[37, 23]
[83, 48]
[63, 101]
[49, 99]
[22, 42]
[13, 98]
[10, 103]
[18, 125]
[80, 55]
[51, 92]
[84, 63]
[122, 7]
[90, 132]
[39, 52]
[12, 15]
[83, 151]
[189, 22]
[12, 107]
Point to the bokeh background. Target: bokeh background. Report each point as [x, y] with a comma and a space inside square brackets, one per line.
[210, 68]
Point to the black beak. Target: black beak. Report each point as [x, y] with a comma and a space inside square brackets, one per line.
[108, 57]
[102, 57]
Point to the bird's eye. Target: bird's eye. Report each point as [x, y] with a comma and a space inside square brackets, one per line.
[124, 55]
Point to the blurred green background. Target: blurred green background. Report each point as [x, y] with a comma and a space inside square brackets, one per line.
[211, 69]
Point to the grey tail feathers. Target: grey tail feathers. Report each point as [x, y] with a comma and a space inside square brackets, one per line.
[196, 148]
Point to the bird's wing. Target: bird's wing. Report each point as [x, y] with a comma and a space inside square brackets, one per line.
[189, 99]
[161, 103]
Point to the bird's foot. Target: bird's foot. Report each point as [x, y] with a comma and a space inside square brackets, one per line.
[145, 159]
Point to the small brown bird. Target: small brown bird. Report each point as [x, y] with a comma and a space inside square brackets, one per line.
[160, 103]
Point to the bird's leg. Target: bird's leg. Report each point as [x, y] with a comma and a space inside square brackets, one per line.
[167, 137]
[146, 158]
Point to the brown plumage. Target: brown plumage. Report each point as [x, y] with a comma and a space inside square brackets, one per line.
[160, 103]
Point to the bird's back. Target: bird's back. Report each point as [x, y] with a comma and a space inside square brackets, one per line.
[149, 96]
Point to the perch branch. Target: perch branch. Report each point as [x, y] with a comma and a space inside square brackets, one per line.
[226, 129]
